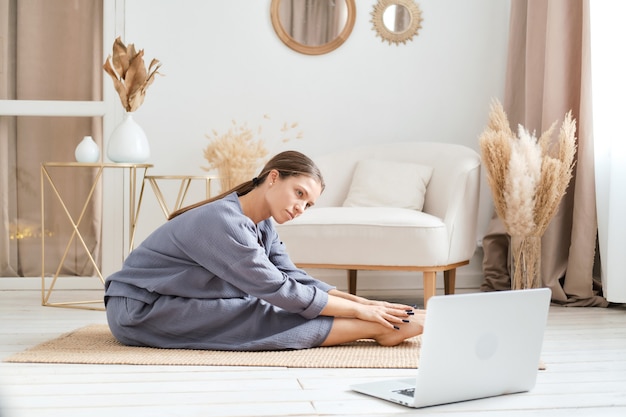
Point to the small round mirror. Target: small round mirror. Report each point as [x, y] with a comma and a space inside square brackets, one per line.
[396, 21]
[396, 18]
[313, 27]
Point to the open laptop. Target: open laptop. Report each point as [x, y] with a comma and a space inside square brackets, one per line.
[474, 346]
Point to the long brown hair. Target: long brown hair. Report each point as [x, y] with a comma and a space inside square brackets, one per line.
[287, 163]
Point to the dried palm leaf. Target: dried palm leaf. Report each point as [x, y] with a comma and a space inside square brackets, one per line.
[130, 77]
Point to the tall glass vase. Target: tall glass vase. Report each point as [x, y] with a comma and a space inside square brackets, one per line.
[526, 262]
[128, 142]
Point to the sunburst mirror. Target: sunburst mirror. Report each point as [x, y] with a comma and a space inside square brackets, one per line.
[396, 21]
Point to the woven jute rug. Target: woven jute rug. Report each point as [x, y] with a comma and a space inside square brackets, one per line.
[95, 344]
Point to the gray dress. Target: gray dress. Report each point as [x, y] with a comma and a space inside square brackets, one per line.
[212, 279]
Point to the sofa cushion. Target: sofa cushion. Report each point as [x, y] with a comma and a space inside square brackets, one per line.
[378, 183]
[366, 236]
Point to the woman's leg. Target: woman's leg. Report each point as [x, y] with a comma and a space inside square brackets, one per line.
[224, 324]
[346, 330]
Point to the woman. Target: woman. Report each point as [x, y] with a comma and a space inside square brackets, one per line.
[216, 276]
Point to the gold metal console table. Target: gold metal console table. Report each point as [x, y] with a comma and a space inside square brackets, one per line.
[134, 170]
[183, 189]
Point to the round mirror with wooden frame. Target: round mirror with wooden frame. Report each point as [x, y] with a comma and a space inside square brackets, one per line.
[396, 21]
[313, 27]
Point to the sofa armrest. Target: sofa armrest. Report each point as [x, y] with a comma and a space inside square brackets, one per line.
[461, 216]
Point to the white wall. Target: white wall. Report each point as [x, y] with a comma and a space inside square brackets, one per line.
[222, 61]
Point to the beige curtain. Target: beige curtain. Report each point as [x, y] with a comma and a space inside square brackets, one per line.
[56, 55]
[8, 252]
[548, 73]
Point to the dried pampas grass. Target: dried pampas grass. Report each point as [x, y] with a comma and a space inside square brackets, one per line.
[129, 74]
[527, 179]
[238, 153]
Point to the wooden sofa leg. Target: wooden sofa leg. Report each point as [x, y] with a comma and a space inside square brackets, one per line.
[449, 281]
[430, 285]
[352, 281]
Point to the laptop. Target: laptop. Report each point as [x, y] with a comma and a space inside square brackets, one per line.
[474, 346]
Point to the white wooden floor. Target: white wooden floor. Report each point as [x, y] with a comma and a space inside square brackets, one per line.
[584, 349]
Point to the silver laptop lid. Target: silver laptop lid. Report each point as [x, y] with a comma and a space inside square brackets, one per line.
[480, 345]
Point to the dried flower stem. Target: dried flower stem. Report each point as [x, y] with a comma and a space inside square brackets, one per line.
[526, 181]
[237, 154]
[527, 255]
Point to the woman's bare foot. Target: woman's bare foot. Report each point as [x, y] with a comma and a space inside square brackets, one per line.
[414, 327]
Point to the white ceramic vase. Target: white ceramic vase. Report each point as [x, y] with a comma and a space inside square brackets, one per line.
[128, 142]
[87, 151]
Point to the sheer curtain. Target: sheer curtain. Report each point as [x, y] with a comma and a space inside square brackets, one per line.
[55, 53]
[548, 73]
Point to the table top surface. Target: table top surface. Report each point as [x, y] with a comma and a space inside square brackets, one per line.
[182, 177]
[97, 164]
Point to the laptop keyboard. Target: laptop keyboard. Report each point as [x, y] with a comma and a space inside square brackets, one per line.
[409, 392]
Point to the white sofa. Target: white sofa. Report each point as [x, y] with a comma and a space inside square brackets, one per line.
[376, 233]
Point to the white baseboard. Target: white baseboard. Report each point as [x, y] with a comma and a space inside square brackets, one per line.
[62, 283]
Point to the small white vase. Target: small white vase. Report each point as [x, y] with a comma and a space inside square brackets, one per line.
[87, 151]
[128, 143]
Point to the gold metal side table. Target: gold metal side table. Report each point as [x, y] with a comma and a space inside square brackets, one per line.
[183, 189]
[134, 171]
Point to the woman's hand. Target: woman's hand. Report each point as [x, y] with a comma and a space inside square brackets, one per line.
[387, 314]
[390, 315]
[359, 318]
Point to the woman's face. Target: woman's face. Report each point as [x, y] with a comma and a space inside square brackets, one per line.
[289, 197]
